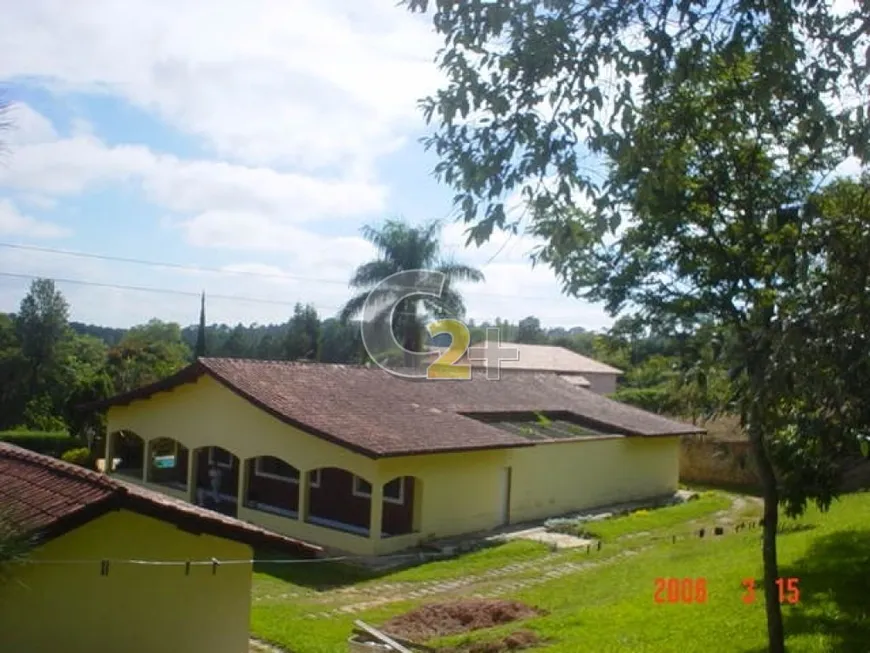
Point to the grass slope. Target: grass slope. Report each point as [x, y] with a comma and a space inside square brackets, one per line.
[611, 607]
[649, 521]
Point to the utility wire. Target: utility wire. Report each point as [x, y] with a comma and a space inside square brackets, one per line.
[162, 264]
[250, 273]
[169, 291]
[215, 561]
[165, 291]
[187, 293]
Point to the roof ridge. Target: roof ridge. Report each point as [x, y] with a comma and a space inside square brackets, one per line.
[54, 496]
[287, 363]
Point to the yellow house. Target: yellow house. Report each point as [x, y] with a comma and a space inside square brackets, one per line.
[117, 568]
[362, 461]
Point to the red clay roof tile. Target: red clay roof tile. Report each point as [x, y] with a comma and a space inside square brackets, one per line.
[45, 496]
[379, 414]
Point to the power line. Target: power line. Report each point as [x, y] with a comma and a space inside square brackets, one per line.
[188, 293]
[165, 291]
[170, 291]
[250, 273]
[162, 264]
[211, 562]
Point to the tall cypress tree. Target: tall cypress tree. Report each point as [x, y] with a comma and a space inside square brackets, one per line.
[199, 351]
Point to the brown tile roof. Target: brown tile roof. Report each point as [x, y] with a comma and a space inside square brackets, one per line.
[379, 414]
[544, 358]
[537, 358]
[575, 379]
[48, 497]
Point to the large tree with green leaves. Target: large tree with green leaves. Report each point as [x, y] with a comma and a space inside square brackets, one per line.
[13, 374]
[147, 353]
[303, 334]
[716, 122]
[237, 345]
[529, 331]
[84, 379]
[402, 247]
[42, 324]
[536, 88]
[823, 353]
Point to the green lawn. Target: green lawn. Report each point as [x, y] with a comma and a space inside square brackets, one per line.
[610, 607]
[674, 519]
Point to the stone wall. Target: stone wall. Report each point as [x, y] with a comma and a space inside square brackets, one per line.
[711, 462]
[730, 464]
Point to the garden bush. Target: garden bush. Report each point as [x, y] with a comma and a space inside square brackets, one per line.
[81, 456]
[50, 443]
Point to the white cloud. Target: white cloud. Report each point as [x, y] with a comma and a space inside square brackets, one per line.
[38, 201]
[240, 231]
[306, 84]
[205, 191]
[231, 296]
[191, 186]
[502, 246]
[13, 223]
[70, 166]
[299, 99]
[313, 272]
[24, 126]
[513, 288]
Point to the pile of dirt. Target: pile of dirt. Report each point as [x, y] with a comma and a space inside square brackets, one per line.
[441, 619]
[518, 641]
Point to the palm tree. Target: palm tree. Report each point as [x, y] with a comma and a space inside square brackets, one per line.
[403, 248]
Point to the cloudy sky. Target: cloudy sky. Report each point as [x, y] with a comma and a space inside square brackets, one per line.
[250, 140]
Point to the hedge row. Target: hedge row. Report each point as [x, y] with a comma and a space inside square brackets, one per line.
[49, 443]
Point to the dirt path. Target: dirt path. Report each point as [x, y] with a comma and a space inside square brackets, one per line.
[740, 505]
[480, 586]
[493, 582]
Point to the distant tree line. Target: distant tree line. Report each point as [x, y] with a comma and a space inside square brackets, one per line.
[49, 365]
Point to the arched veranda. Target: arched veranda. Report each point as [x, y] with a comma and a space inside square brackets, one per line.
[216, 473]
[128, 454]
[168, 461]
[216, 478]
[343, 501]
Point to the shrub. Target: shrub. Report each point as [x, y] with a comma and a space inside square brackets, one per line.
[39, 415]
[45, 442]
[81, 456]
[658, 399]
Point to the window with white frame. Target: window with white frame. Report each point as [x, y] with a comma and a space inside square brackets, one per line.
[361, 487]
[394, 491]
[220, 457]
[276, 469]
[314, 478]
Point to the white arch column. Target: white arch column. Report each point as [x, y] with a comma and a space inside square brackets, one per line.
[376, 512]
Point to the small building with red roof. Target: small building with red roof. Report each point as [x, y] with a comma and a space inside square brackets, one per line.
[113, 566]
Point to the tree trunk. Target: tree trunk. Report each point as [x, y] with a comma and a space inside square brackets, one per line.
[411, 341]
[775, 631]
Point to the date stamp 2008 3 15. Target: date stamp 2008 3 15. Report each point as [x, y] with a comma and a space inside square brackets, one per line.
[787, 588]
[694, 590]
[680, 590]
